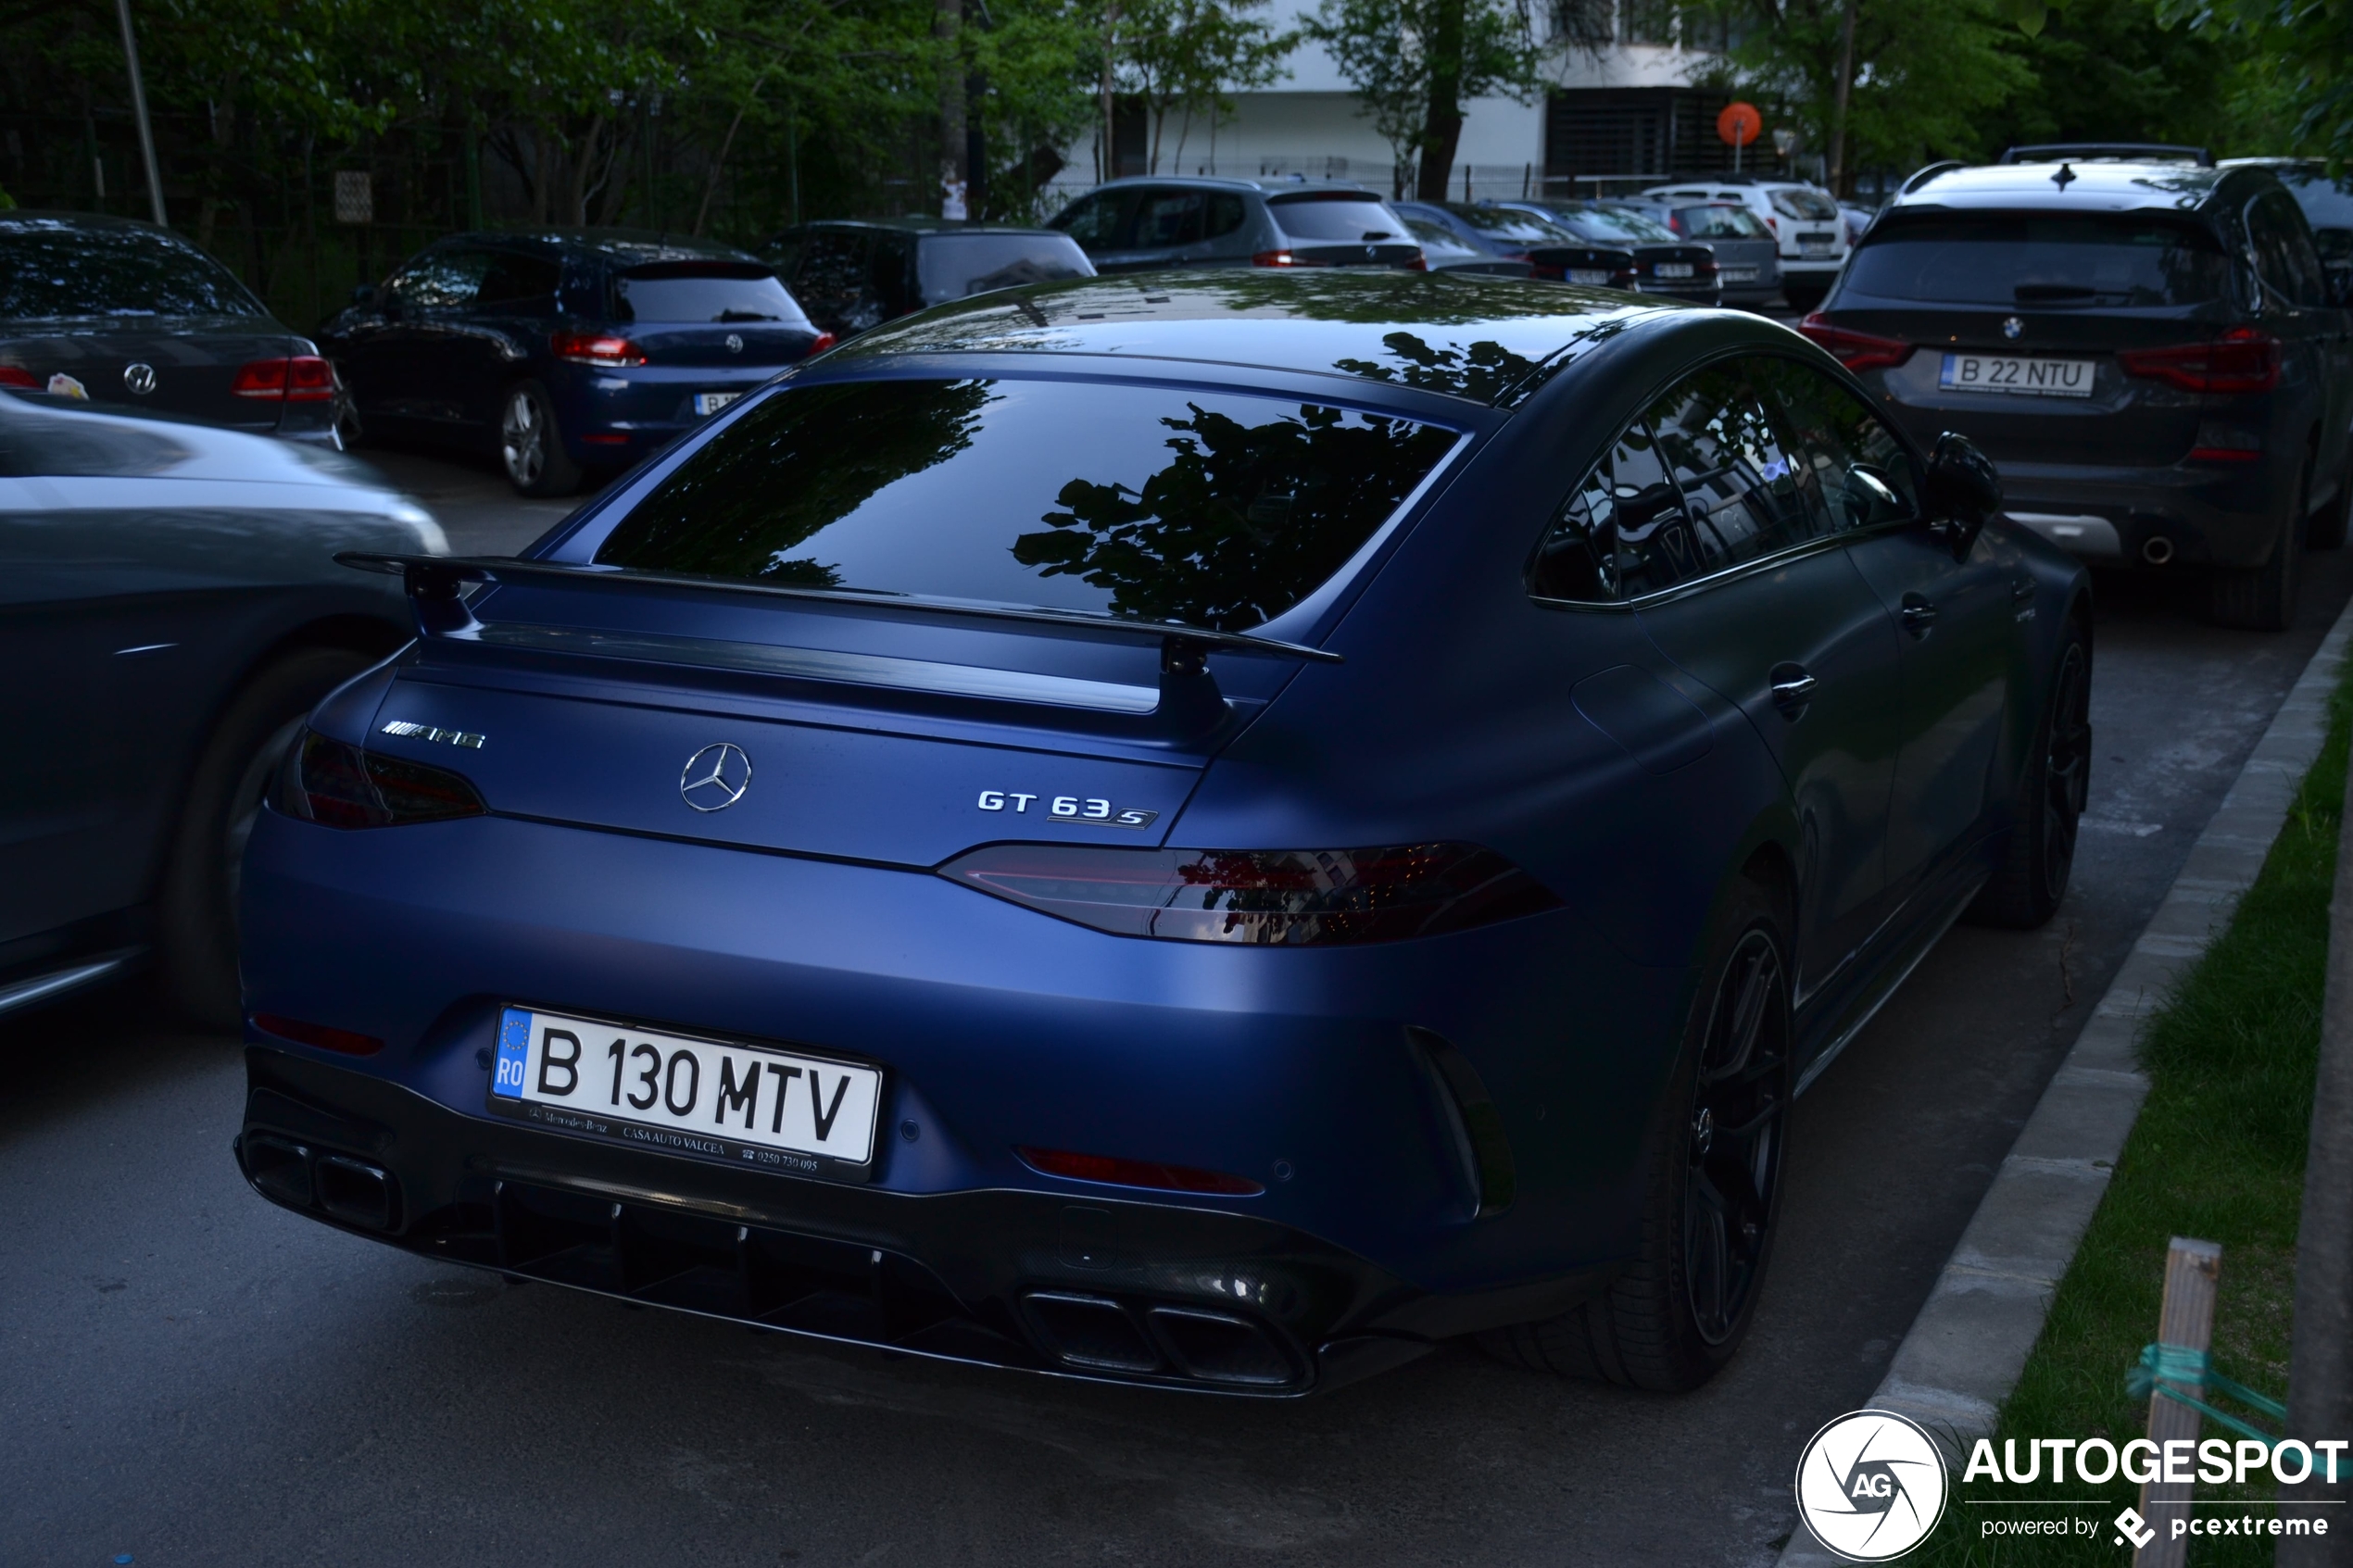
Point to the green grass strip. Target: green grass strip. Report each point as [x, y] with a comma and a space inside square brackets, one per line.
[2218, 1154]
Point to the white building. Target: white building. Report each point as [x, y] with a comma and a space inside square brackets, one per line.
[1624, 106]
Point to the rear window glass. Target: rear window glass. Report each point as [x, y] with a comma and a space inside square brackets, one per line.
[952, 266]
[1722, 223]
[1348, 218]
[1520, 228]
[1611, 226]
[1212, 509]
[670, 293]
[1810, 204]
[49, 271]
[2018, 259]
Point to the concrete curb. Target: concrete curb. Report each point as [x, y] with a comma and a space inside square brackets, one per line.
[1964, 1353]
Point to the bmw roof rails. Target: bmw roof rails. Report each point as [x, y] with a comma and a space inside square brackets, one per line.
[1923, 176]
[2122, 152]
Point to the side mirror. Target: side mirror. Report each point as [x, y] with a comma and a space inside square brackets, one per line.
[1962, 491]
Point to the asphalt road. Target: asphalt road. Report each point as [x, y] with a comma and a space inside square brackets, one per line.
[189, 1376]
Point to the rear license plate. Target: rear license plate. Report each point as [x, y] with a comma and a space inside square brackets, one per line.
[2016, 375]
[711, 401]
[1814, 244]
[1738, 275]
[748, 1104]
[1595, 277]
[1673, 270]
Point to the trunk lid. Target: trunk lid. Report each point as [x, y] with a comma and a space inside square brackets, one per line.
[194, 362]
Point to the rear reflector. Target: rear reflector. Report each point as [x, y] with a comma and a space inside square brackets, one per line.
[1280, 898]
[1135, 1172]
[300, 378]
[1857, 351]
[602, 438]
[2241, 360]
[317, 1035]
[342, 786]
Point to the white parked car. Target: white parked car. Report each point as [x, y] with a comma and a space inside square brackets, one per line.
[1804, 220]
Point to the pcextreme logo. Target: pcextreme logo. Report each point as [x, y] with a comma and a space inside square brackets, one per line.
[1870, 1485]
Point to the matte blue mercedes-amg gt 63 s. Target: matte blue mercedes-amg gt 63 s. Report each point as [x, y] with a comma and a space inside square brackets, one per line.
[1207, 831]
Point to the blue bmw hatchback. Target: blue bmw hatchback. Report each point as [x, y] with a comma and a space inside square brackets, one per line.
[1211, 832]
[570, 353]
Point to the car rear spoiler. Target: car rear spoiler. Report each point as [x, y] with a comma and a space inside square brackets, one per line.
[1189, 699]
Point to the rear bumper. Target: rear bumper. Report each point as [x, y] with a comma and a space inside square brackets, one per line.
[615, 417]
[2206, 515]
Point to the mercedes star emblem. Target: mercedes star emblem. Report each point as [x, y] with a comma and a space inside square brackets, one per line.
[716, 777]
[735, 342]
[2012, 328]
[140, 379]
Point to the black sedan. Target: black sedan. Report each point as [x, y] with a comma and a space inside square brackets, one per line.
[169, 608]
[1665, 261]
[134, 318]
[1546, 248]
[568, 353]
[852, 274]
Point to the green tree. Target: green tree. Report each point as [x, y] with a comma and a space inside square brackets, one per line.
[2297, 82]
[1414, 64]
[1184, 55]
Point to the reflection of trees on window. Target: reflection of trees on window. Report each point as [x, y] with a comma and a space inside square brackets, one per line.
[1243, 521]
[1483, 371]
[788, 469]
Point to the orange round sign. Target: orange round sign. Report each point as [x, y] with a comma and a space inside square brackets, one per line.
[1739, 124]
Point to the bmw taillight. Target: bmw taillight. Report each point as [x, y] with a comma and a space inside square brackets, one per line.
[2243, 359]
[297, 378]
[342, 786]
[598, 349]
[825, 341]
[1857, 351]
[1269, 898]
[1283, 258]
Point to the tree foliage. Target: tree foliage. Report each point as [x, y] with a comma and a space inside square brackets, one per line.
[1415, 62]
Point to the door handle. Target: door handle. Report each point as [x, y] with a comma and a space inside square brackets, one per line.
[1792, 689]
[1919, 615]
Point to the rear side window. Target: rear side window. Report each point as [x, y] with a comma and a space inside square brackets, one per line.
[515, 278]
[1217, 510]
[1613, 226]
[952, 266]
[442, 280]
[1513, 228]
[1334, 217]
[831, 279]
[1722, 223]
[2284, 253]
[1725, 450]
[697, 291]
[54, 270]
[1622, 532]
[1226, 213]
[1812, 207]
[1100, 221]
[1171, 217]
[2119, 260]
[1859, 473]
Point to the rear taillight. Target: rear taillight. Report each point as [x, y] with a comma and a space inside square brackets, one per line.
[1278, 898]
[300, 378]
[2243, 359]
[1135, 1172]
[598, 349]
[17, 375]
[825, 341]
[1419, 264]
[1857, 351]
[1554, 273]
[342, 786]
[1283, 258]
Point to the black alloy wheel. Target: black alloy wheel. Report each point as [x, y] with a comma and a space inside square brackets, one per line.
[2053, 786]
[531, 443]
[2263, 598]
[1733, 1151]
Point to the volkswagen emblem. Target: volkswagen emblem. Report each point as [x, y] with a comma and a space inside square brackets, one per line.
[735, 342]
[716, 777]
[2013, 328]
[140, 379]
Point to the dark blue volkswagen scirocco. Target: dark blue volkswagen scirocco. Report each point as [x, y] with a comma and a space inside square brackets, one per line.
[1209, 831]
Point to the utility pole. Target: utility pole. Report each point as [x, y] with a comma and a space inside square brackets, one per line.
[139, 112]
[948, 26]
[1838, 110]
[1104, 154]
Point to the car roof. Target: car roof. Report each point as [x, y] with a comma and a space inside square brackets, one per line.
[1271, 187]
[630, 246]
[916, 225]
[38, 217]
[2072, 185]
[1479, 338]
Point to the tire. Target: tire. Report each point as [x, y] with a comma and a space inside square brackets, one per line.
[1675, 1317]
[2040, 857]
[531, 443]
[2325, 530]
[198, 905]
[2263, 598]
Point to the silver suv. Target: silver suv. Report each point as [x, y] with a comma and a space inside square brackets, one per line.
[1151, 221]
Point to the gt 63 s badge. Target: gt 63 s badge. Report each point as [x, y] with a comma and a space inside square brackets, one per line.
[1067, 807]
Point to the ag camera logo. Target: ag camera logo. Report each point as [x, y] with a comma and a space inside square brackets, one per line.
[1872, 1486]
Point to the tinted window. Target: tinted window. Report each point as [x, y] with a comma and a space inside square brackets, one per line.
[832, 282]
[1611, 226]
[52, 270]
[1725, 451]
[2006, 260]
[1328, 218]
[1722, 223]
[1621, 533]
[1513, 228]
[1218, 510]
[1811, 206]
[1860, 475]
[1171, 217]
[442, 280]
[2284, 252]
[1436, 240]
[701, 292]
[954, 265]
[512, 278]
[1226, 213]
[1100, 221]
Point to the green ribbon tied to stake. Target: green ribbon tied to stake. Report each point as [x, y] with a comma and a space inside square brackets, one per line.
[2163, 1366]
